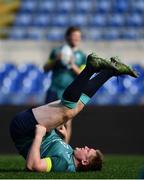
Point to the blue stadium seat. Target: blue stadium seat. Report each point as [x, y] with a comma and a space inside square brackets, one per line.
[138, 68]
[130, 33]
[26, 85]
[23, 20]
[102, 6]
[111, 34]
[13, 74]
[5, 68]
[23, 69]
[130, 96]
[28, 6]
[128, 82]
[137, 6]
[94, 34]
[8, 66]
[112, 86]
[135, 20]
[18, 33]
[98, 20]
[79, 20]
[62, 20]
[11, 89]
[46, 83]
[36, 34]
[83, 6]
[31, 66]
[120, 6]
[11, 85]
[116, 20]
[35, 74]
[47, 6]
[41, 20]
[32, 86]
[102, 97]
[55, 34]
[64, 6]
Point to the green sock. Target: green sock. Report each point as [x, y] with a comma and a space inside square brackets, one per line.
[84, 98]
[68, 104]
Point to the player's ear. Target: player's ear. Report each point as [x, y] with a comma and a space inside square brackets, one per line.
[85, 162]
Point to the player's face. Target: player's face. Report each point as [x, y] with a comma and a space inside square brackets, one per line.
[74, 38]
[85, 153]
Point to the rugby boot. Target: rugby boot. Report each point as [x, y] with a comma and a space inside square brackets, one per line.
[98, 63]
[121, 68]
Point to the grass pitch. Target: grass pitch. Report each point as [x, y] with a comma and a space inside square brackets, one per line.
[115, 167]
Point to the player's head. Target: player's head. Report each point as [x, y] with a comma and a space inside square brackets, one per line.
[73, 36]
[88, 159]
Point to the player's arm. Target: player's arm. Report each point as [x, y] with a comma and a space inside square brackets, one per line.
[77, 70]
[53, 58]
[34, 161]
[65, 130]
[68, 127]
[48, 66]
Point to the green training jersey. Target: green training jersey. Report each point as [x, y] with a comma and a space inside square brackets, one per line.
[60, 153]
[63, 76]
[53, 148]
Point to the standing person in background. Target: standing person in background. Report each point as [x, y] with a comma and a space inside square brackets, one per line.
[66, 62]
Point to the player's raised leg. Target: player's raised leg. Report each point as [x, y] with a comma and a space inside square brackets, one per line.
[73, 92]
[95, 83]
[60, 112]
[109, 68]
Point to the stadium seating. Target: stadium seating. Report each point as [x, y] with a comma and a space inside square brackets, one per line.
[7, 15]
[98, 21]
[103, 6]
[35, 34]
[64, 7]
[46, 20]
[46, 6]
[137, 6]
[27, 84]
[55, 34]
[116, 20]
[130, 34]
[18, 33]
[90, 14]
[83, 6]
[121, 6]
[94, 35]
[112, 34]
[23, 20]
[61, 21]
[20, 84]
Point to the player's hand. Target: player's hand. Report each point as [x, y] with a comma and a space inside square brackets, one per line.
[58, 57]
[40, 130]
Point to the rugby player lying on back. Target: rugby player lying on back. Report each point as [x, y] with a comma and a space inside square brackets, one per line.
[33, 131]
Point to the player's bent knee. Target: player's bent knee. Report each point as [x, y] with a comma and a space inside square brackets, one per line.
[70, 114]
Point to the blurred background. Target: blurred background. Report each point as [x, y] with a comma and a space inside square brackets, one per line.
[29, 29]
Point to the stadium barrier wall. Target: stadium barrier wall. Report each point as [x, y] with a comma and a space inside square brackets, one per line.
[113, 129]
[37, 51]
